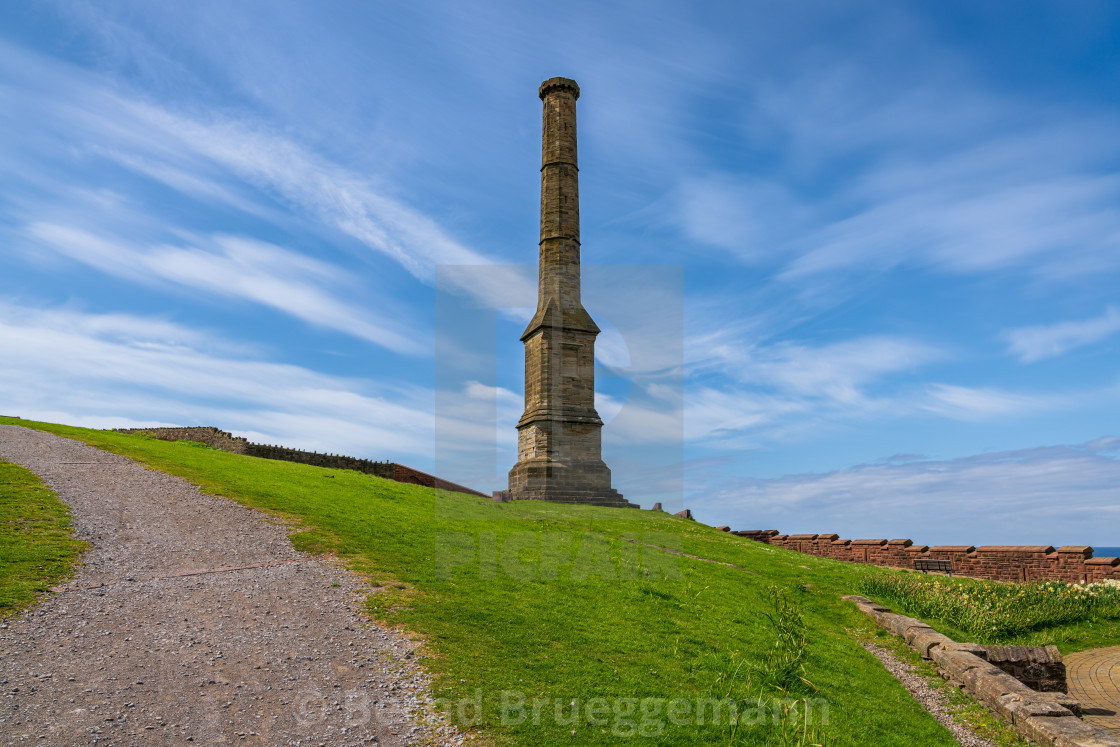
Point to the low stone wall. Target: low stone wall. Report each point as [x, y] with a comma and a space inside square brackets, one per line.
[1038, 667]
[1050, 719]
[209, 436]
[1073, 564]
[225, 441]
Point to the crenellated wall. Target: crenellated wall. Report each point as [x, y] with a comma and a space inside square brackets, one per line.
[1074, 564]
[220, 439]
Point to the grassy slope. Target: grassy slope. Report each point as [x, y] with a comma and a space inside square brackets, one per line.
[36, 546]
[562, 638]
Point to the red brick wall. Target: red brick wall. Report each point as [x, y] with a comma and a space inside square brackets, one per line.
[998, 563]
[402, 473]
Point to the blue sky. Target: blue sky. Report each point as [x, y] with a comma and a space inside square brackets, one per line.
[885, 237]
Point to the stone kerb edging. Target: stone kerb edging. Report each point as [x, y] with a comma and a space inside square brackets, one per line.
[1049, 719]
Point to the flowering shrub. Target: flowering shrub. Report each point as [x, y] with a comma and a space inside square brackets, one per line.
[995, 612]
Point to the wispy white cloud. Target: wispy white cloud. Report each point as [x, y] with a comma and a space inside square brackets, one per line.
[868, 171]
[115, 370]
[971, 403]
[982, 210]
[196, 183]
[238, 267]
[227, 161]
[1030, 344]
[840, 370]
[786, 385]
[475, 437]
[787, 391]
[751, 219]
[351, 203]
[741, 397]
[730, 414]
[1049, 495]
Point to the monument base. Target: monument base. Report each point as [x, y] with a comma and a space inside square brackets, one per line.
[588, 483]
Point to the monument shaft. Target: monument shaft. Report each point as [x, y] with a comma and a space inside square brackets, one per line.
[559, 447]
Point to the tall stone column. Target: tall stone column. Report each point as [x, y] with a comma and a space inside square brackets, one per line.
[559, 446]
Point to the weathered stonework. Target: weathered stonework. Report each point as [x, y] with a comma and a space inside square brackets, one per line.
[559, 447]
[1039, 667]
[1039, 708]
[1073, 564]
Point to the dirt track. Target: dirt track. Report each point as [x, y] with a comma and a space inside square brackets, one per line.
[273, 654]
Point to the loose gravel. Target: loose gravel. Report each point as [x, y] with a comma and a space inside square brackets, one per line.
[937, 703]
[275, 654]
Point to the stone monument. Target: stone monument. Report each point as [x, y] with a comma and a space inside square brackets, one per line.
[559, 445]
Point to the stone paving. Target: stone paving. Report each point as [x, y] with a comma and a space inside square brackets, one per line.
[1094, 679]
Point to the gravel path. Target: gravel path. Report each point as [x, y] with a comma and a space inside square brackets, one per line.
[937, 703]
[275, 654]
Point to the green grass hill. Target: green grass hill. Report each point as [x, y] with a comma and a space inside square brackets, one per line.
[592, 612]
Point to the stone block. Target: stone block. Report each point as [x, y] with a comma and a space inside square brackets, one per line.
[1068, 731]
[1050, 701]
[1039, 667]
[881, 616]
[862, 602]
[952, 548]
[1023, 709]
[972, 648]
[924, 641]
[1065, 700]
[1016, 549]
[899, 624]
[1035, 729]
[991, 688]
[971, 677]
[956, 663]
[1085, 739]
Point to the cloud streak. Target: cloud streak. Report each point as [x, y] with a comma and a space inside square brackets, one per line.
[787, 388]
[331, 194]
[230, 162]
[237, 267]
[1048, 495]
[867, 171]
[1031, 344]
[113, 370]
